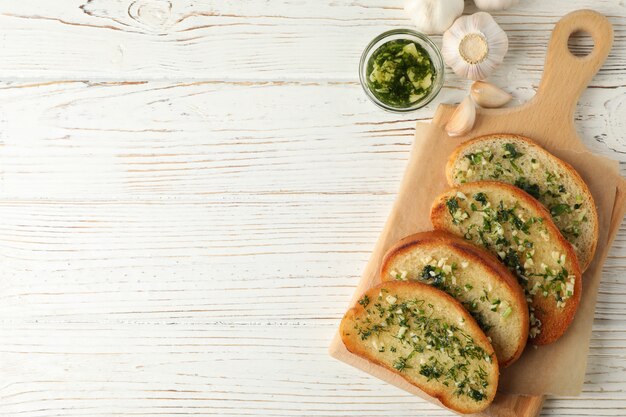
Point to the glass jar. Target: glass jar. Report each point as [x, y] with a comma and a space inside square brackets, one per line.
[418, 38]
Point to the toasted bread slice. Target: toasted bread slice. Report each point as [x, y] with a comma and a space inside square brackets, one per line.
[518, 229]
[428, 338]
[471, 275]
[520, 161]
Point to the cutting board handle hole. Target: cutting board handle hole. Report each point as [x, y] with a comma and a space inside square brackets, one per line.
[580, 43]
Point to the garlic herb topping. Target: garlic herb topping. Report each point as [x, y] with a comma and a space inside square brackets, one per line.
[509, 165]
[447, 353]
[508, 232]
[442, 274]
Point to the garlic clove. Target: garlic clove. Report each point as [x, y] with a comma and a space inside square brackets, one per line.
[491, 5]
[474, 46]
[463, 118]
[434, 16]
[488, 95]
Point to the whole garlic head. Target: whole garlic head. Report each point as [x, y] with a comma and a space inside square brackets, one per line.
[474, 46]
[434, 16]
[495, 4]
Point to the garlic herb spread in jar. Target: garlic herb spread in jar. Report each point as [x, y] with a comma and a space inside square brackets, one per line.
[400, 73]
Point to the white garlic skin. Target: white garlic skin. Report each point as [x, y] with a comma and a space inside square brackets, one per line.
[433, 17]
[491, 5]
[489, 96]
[477, 27]
[463, 118]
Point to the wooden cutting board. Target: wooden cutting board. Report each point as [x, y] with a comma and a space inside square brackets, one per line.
[549, 119]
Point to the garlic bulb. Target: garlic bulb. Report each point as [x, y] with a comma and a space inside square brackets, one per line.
[434, 16]
[474, 46]
[495, 4]
[488, 95]
[463, 118]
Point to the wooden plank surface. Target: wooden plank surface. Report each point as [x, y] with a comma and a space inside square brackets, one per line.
[189, 195]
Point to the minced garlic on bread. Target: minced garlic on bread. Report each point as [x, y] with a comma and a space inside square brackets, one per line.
[428, 338]
[520, 161]
[519, 231]
[474, 277]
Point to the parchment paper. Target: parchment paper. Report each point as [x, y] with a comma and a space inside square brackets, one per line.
[558, 368]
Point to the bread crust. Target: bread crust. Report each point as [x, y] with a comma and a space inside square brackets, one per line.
[584, 263]
[545, 307]
[425, 291]
[476, 255]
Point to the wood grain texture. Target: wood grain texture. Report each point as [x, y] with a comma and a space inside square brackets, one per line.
[155, 139]
[558, 368]
[189, 194]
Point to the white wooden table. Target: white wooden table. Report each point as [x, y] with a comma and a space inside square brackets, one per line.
[189, 191]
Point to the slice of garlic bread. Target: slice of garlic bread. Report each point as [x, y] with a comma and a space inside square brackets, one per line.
[428, 338]
[518, 229]
[520, 161]
[473, 276]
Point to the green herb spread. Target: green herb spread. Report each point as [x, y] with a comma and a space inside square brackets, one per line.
[509, 165]
[441, 274]
[435, 348]
[509, 232]
[400, 73]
